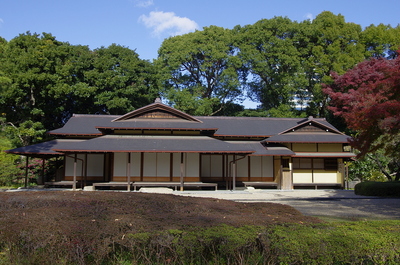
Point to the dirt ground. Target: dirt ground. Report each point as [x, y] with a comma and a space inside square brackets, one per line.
[133, 212]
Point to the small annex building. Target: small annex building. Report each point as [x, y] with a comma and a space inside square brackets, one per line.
[158, 145]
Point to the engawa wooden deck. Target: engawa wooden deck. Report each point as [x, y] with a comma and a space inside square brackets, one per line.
[136, 184]
[62, 183]
[173, 184]
[260, 184]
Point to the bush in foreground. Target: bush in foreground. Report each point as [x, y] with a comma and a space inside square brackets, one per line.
[374, 242]
[372, 188]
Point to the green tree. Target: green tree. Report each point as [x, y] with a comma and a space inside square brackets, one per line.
[33, 87]
[286, 61]
[8, 169]
[327, 44]
[272, 61]
[120, 80]
[381, 41]
[372, 167]
[44, 81]
[200, 70]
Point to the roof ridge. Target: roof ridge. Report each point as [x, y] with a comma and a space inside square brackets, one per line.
[249, 118]
[94, 115]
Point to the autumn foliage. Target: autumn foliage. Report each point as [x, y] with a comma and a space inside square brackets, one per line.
[367, 97]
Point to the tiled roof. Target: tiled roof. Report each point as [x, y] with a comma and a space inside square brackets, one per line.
[325, 154]
[224, 126]
[46, 148]
[296, 137]
[149, 143]
[267, 150]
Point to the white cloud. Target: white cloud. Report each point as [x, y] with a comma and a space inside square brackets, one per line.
[309, 16]
[144, 3]
[168, 22]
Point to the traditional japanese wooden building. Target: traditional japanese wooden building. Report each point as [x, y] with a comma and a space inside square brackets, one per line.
[158, 145]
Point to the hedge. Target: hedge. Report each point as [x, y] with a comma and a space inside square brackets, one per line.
[372, 188]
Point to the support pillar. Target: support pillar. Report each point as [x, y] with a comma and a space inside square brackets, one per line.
[26, 172]
[234, 175]
[182, 173]
[129, 172]
[75, 166]
[41, 179]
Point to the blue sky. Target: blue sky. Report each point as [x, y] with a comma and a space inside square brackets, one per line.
[142, 25]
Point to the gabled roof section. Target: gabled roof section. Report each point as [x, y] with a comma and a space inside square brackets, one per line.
[312, 125]
[157, 110]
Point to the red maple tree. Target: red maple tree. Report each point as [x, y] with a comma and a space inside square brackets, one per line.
[367, 97]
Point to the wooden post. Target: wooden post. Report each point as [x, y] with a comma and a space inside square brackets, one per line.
[234, 175]
[129, 172]
[42, 180]
[85, 170]
[182, 171]
[26, 171]
[74, 180]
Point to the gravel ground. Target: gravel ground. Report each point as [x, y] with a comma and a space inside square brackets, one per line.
[322, 203]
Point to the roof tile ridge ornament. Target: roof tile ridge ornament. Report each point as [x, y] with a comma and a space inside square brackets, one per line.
[157, 105]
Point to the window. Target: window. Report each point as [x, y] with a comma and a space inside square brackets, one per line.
[315, 163]
[302, 163]
[331, 164]
[318, 163]
[285, 163]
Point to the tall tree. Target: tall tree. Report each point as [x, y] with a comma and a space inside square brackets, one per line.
[367, 97]
[381, 41]
[29, 64]
[327, 44]
[44, 81]
[121, 80]
[200, 70]
[287, 61]
[272, 60]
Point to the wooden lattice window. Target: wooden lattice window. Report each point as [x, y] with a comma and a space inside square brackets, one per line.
[331, 164]
[285, 163]
[157, 115]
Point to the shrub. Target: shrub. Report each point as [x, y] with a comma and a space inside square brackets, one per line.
[8, 169]
[337, 243]
[371, 188]
[373, 242]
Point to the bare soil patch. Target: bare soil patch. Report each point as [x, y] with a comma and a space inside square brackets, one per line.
[122, 212]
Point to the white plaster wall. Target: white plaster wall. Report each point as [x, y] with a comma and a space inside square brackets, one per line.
[150, 165]
[255, 166]
[135, 164]
[95, 165]
[321, 176]
[216, 165]
[176, 165]
[120, 162]
[242, 168]
[206, 166]
[163, 164]
[302, 176]
[192, 164]
[268, 166]
[69, 165]
[262, 166]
